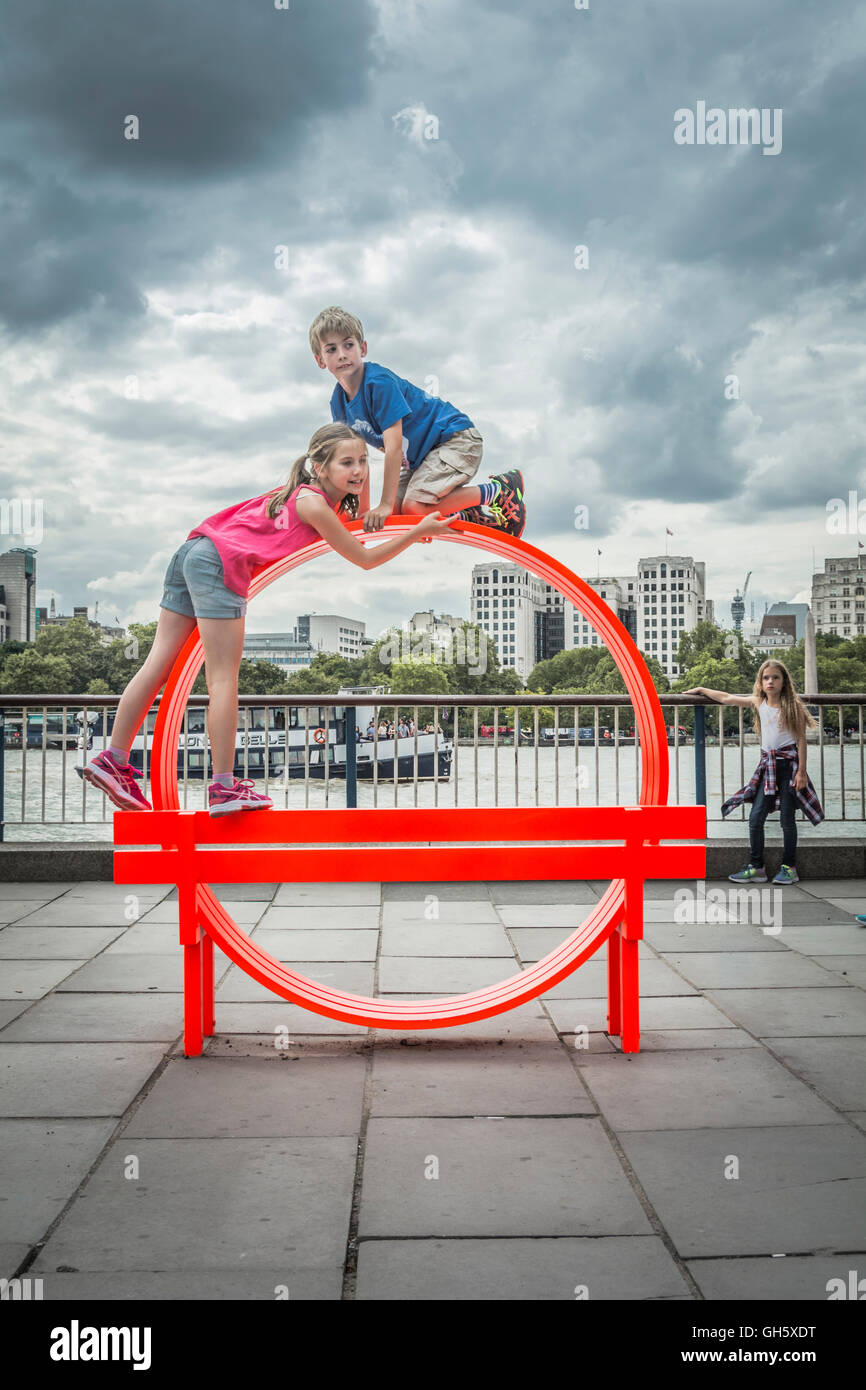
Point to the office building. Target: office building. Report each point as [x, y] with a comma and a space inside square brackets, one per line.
[839, 597]
[18, 593]
[328, 632]
[504, 603]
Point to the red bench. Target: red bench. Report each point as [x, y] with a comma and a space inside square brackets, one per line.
[192, 850]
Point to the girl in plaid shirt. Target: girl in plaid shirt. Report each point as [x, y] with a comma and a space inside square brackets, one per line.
[779, 781]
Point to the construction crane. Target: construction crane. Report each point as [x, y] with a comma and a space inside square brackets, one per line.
[738, 605]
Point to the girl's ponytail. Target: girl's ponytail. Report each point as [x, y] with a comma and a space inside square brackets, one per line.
[301, 472]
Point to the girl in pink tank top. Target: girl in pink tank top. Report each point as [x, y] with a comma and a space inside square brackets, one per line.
[206, 585]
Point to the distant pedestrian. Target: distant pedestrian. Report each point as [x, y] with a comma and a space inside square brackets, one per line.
[779, 781]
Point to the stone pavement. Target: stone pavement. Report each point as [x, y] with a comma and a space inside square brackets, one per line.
[524, 1157]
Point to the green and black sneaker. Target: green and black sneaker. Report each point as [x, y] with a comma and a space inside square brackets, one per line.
[507, 512]
[749, 875]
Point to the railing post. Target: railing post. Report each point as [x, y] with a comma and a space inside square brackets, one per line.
[700, 756]
[351, 759]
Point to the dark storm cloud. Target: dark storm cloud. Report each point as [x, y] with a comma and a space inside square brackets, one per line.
[215, 84]
[220, 90]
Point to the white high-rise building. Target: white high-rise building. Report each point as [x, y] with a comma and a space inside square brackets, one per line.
[839, 596]
[505, 600]
[328, 632]
[671, 601]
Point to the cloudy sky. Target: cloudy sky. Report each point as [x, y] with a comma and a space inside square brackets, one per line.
[433, 165]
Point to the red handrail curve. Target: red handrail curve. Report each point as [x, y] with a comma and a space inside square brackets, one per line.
[521, 988]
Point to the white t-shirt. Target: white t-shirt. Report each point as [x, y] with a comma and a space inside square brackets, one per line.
[772, 737]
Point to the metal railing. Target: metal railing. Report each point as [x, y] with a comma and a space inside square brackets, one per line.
[536, 751]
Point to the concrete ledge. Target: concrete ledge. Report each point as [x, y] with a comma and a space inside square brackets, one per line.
[70, 862]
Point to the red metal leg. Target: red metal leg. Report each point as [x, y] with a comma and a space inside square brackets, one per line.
[207, 987]
[614, 993]
[192, 1000]
[630, 998]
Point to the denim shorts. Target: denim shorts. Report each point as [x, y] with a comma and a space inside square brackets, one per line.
[195, 585]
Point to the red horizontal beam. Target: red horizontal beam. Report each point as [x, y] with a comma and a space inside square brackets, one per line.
[365, 826]
[412, 864]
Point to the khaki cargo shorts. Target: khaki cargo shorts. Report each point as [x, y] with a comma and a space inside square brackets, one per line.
[448, 466]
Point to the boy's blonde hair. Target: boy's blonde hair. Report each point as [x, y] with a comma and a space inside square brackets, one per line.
[321, 450]
[795, 716]
[334, 320]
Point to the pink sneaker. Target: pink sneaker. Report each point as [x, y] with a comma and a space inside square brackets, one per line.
[240, 796]
[117, 781]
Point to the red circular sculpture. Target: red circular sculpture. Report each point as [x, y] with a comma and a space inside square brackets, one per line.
[528, 984]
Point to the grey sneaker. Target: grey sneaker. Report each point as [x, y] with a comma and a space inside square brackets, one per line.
[787, 874]
[750, 875]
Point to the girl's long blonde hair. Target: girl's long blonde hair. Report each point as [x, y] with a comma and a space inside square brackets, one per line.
[320, 450]
[795, 716]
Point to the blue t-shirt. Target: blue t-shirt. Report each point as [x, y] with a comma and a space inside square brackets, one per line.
[383, 399]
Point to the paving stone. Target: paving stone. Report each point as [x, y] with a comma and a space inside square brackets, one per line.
[11, 1008]
[352, 977]
[694, 1038]
[77, 912]
[100, 1018]
[537, 917]
[814, 915]
[702, 1090]
[117, 893]
[239, 892]
[608, 1267]
[837, 887]
[445, 939]
[205, 1204]
[306, 918]
[43, 1163]
[12, 1256]
[589, 981]
[518, 1078]
[55, 943]
[751, 970]
[527, 1023]
[836, 1067]
[799, 1190]
[248, 1097]
[144, 974]
[858, 1118]
[672, 937]
[246, 914]
[319, 945]
[273, 1013]
[792, 1279]
[416, 912]
[842, 940]
[34, 889]
[544, 892]
[663, 889]
[851, 906]
[291, 1046]
[850, 969]
[201, 1285]
[446, 892]
[683, 1011]
[11, 909]
[442, 974]
[32, 979]
[539, 1177]
[328, 894]
[533, 944]
[830, 1012]
[73, 1078]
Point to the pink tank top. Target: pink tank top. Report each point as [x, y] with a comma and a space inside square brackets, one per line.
[247, 539]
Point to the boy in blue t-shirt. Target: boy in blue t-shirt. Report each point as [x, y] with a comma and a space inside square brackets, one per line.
[432, 450]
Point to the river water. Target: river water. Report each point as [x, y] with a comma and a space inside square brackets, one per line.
[546, 777]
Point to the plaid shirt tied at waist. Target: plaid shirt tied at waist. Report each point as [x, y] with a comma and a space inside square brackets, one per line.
[765, 772]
